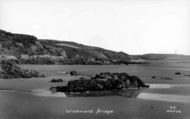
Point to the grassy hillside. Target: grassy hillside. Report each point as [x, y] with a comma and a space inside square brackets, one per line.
[20, 44]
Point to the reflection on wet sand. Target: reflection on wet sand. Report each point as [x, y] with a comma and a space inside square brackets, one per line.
[165, 97]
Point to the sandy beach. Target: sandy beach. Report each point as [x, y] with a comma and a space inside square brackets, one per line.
[47, 93]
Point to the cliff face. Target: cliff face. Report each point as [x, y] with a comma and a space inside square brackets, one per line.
[20, 44]
[17, 44]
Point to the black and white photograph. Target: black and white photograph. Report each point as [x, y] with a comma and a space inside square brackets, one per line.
[94, 59]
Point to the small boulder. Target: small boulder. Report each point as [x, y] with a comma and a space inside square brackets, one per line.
[73, 73]
[177, 73]
[153, 77]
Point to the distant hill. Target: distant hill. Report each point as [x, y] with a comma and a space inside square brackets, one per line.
[168, 57]
[13, 44]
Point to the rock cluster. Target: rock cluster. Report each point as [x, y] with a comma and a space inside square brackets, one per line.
[9, 70]
[56, 80]
[102, 82]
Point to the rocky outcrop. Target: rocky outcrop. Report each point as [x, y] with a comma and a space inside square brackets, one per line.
[102, 82]
[9, 70]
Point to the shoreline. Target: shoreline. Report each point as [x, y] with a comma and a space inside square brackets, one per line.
[129, 93]
[48, 93]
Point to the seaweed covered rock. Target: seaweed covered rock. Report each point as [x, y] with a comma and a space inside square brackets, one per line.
[10, 70]
[102, 82]
[84, 85]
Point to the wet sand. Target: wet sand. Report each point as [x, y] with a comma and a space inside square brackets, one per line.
[48, 93]
[165, 97]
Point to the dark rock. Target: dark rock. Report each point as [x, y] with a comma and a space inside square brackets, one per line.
[60, 89]
[153, 77]
[10, 70]
[73, 73]
[56, 80]
[103, 82]
[177, 73]
[84, 85]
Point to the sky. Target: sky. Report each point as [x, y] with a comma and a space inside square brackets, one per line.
[131, 26]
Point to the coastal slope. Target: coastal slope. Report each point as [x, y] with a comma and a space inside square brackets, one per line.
[22, 46]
